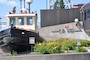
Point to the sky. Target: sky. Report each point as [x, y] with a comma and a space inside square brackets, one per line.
[37, 5]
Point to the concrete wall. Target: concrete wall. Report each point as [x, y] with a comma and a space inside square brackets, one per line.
[55, 17]
[69, 30]
[86, 25]
[76, 56]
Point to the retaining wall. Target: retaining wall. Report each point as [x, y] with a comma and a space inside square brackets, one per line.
[69, 56]
[69, 30]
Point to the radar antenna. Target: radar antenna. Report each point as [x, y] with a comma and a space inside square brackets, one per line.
[29, 2]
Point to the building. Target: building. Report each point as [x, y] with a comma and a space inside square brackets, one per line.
[85, 15]
[66, 23]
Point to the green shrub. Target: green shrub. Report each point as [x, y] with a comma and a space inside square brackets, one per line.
[68, 44]
[47, 48]
[80, 49]
[85, 43]
[60, 45]
[14, 53]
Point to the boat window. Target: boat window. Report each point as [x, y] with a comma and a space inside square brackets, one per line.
[29, 21]
[12, 21]
[21, 21]
[88, 15]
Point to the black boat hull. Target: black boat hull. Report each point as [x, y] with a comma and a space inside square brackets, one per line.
[17, 39]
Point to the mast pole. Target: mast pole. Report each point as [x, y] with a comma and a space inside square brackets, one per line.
[21, 4]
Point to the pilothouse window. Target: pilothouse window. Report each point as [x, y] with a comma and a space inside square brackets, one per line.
[29, 21]
[21, 21]
[12, 21]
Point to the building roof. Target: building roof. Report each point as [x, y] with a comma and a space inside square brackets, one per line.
[85, 7]
[78, 5]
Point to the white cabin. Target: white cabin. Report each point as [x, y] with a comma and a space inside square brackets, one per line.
[27, 21]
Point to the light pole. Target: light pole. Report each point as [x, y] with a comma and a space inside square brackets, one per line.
[29, 2]
[79, 25]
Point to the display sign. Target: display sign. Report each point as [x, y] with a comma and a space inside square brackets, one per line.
[31, 40]
[62, 31]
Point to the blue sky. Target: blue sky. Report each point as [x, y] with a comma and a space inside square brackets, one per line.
[37, 5]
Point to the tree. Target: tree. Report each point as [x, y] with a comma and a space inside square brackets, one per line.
[56, 5]
[62, 6]
[59, 4]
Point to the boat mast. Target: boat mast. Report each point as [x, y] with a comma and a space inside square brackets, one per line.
[24, 3]
[21, 4]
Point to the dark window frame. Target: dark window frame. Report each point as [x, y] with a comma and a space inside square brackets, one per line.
[21, 22]
[29, 20]
[88, 14]
[12, 21]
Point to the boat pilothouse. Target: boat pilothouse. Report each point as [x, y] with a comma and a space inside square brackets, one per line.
[21, 32]
[22, 20]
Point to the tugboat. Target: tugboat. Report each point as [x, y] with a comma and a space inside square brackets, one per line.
[21, 33]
